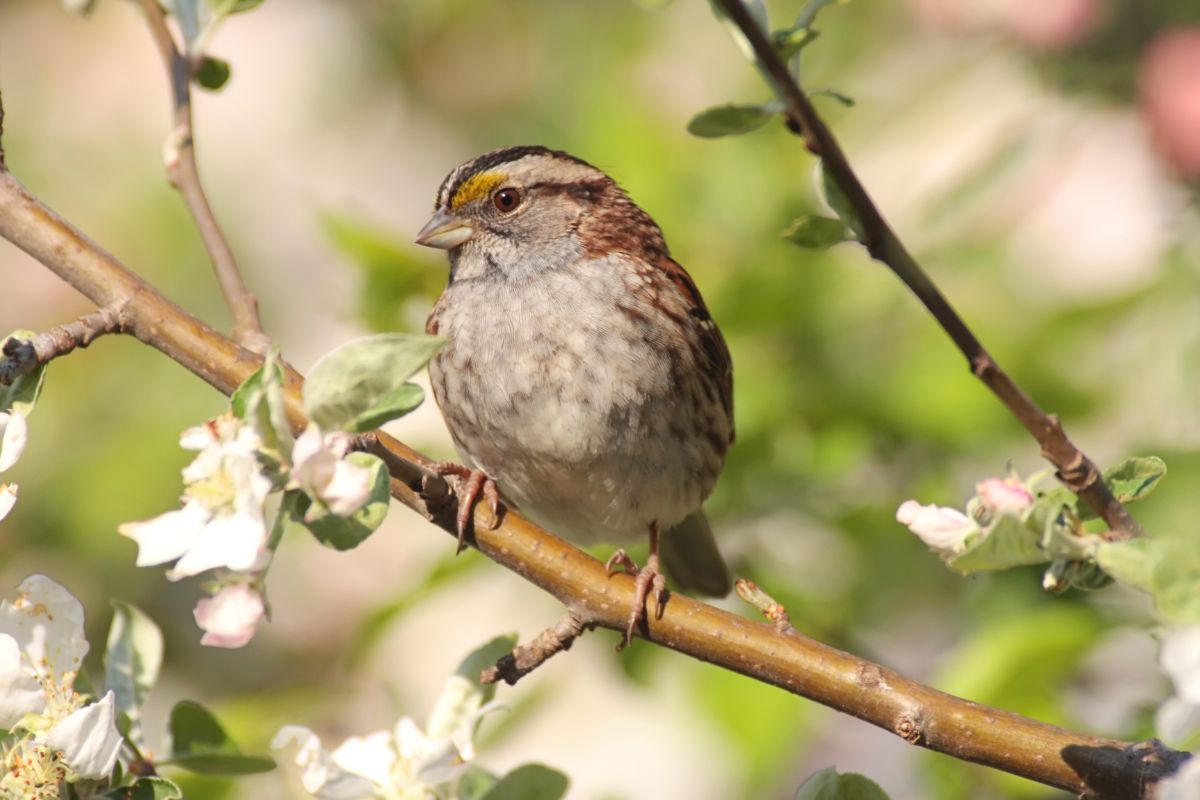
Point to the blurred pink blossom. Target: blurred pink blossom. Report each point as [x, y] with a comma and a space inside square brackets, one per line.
[230, 618]
[1169, 86]
[944, 530]
[1039, 24]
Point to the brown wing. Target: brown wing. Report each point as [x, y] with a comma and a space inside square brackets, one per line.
[712, 352]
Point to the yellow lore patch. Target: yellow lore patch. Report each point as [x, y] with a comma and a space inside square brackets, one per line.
[477, 186]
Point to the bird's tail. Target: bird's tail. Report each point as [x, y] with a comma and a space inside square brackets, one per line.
[691, 558]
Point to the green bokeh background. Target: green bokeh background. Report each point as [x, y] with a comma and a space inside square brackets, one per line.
[324, 153]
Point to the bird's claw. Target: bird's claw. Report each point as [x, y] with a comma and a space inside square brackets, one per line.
[647, 581]
[475, 483]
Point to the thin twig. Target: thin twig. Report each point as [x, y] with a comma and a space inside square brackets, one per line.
[524, 659]
[180, 157]
[1086, 765]
[22, 356]
[771, 608]
[1074, 469]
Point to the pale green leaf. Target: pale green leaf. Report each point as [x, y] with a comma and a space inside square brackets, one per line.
[817, 233]
[729, 120]
[361, 384]
[259, 402]
[828, 784]
[132, 660]
[1134, 478]
[1006, 543]
[530, 782]
[200, 744]
[836, 199]
[151, 787]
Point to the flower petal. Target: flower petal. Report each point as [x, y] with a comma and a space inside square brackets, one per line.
[369, 756]
[47, 623]
[349, 488]
[230, 618]
[1004, 495]
[8, 498]
[20, 692]
[13, 434]
[228, 540]
[942, 529]
[319, 775]
[167, 536]
[1180, 658]
[89, 739]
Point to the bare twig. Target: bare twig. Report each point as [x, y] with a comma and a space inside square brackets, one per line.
[771, 608]
[180, 156]
[524, 659]
[1086, 765]
[22, 356]
[1074, 468]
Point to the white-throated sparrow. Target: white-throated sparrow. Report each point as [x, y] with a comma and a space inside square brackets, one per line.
[582, 372]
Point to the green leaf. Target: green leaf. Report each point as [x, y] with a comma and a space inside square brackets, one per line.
[394, 271]
[346, 533]
[23, 393]
[475, 783]
[212, 73]
[729, 120]
[195, 731]
[259, 402]
[817, 233]
[1130, 562]
[200, 744]
[132, 660]
[1134, 478]
[233, 6]
[758, 12]
[360, 385]
[1006, 543]
[150, 788]
[844, 100]
[829, 785]
[483, 657]
[836, 199]
[1165, 567]
[218, 764]
[530, 782]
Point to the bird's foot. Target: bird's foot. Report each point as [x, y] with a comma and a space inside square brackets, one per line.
[475, 484]
[647, 581]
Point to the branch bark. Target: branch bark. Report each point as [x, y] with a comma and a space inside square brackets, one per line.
[22, 356]
[1078, 472]
[1084, 765]
[180, 157]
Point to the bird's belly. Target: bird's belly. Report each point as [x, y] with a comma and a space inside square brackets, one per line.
[583, 429]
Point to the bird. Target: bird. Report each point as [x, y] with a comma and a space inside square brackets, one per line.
[583, 379]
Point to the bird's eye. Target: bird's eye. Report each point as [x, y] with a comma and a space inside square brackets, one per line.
[506, 200]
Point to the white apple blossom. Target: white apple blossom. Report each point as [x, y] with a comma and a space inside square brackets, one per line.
[230, 618]
[405, 763]
[13, 433]
[320, 469]
[42, 646]
[8, 498]
[222, 522]
[944, 530]
[1178, 718]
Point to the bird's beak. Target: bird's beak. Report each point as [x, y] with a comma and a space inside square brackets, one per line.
[445, 231]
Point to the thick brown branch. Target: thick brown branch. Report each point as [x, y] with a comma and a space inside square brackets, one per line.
[1074, 469]
[180, 154]
[1085, 765]
[21, 356]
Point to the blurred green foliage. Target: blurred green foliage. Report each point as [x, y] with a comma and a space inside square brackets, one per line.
[848, 400]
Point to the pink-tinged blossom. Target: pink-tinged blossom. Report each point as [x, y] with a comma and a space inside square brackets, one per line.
[1169, 86]
[320, 469]
[14, 432]
[230, 618]
[8, 498]
[1004, 495]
